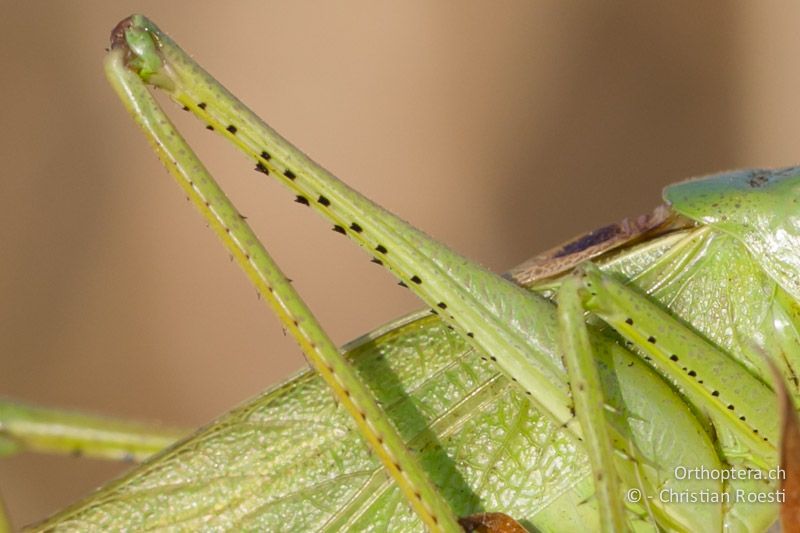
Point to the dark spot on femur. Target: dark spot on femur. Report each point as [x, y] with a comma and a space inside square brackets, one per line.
[651, 340]
[441, 305]
[692, 373]
[210, 127]
[715, 393]
[730, 407]
[338, 229]
[232, 129]
[742, 418]
[470, 335]
[363, 415]
[261, 168]
[416, 279]
[434, 311]
[265, 156]
[493, 358]
[289, 174]
[300, 199]
[629, 321]
[355, 227]
[755, 431]
[185, 108]
[590, 239]
[398, 467]
[376, 261]
[402, 284]
[323, 201]
[673, 357]
[418, 496]
[201, 105]
[381, 249]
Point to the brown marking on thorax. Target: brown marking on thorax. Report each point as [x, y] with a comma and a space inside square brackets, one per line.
[587, 246]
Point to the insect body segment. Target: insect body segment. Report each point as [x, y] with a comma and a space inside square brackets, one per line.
[759, 207]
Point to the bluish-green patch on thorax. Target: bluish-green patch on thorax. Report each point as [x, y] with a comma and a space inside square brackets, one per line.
[759, 207]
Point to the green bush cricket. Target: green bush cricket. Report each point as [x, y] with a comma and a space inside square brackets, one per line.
[713, 409]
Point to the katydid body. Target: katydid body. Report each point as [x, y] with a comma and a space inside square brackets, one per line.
[677, 380]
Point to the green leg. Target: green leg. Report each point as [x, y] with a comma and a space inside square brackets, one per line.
[741, 406]
[492, 313]
[25, 428]
[589, 403]
[718, 388]
[272, 284]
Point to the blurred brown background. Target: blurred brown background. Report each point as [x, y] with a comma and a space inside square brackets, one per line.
[500, 128]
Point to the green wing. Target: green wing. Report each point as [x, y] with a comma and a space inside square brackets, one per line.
[291, 460]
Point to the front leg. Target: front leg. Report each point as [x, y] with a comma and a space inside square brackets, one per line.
[737, 408]
[589, 404]
[741, 406]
